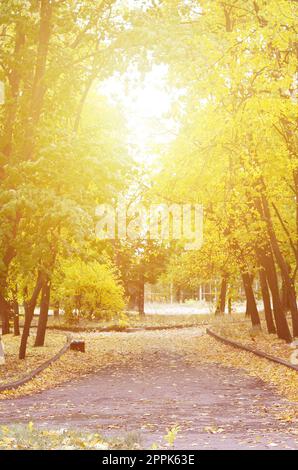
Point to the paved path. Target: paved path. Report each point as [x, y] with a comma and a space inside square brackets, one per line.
[216, 407]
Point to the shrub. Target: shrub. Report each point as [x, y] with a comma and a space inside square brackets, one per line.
[91, 290]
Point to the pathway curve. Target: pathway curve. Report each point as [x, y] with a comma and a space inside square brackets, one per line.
[216, 407]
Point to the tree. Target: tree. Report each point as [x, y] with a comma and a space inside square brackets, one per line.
[236, 138]
[140, 261]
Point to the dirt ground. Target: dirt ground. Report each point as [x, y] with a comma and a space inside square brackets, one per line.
[216, 407]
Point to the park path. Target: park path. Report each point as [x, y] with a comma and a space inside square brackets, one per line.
[216, 407]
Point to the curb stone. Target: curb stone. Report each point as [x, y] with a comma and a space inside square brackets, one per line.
[38, 370]
[257, 352]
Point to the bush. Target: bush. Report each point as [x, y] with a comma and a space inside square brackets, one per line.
[91, 290]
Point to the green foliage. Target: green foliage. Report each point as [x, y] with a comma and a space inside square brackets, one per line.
[31, 437]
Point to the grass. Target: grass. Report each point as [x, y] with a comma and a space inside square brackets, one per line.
[31, 437]
[15, 369]
[22, 437]
[243, 333]
[133, 320]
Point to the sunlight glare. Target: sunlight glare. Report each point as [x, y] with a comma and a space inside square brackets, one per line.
[146, 103]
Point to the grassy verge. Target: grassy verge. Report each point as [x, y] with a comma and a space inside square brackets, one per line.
[131, 320]
[135, 321]
[21, 437]
[15, 369]
[243, 333]
[30, 437]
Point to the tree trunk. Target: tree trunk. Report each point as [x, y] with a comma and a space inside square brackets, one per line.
[254, 314]
[38, 85]
[178, 295]
[16, 323]
[29, 312]
[31, 120]
[230, 305]
[221, 305]
[9, 255]
[56, 309]
[267, 261]
[247, 314]
[284, 268]
[2, 355]
[141, 296]
[43, 314]
[5, 313]
[285, 297]
[247, 309]
[11, 104]
[267, 302]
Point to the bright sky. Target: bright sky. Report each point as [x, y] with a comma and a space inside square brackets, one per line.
[147, 104]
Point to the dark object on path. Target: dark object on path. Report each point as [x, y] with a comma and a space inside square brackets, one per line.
[77, 345]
